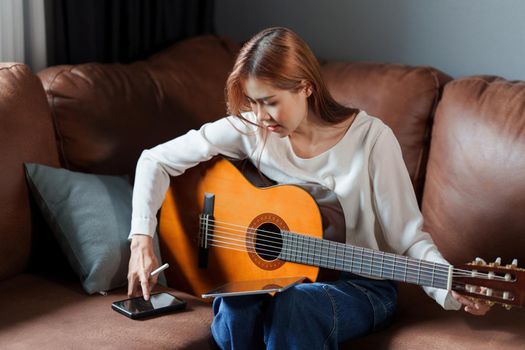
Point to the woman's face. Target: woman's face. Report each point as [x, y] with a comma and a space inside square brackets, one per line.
[280, 111]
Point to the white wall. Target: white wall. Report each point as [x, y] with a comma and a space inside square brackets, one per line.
[22, 33]
[460, 37]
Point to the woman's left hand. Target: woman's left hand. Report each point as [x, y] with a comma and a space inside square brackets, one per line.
[477, 308]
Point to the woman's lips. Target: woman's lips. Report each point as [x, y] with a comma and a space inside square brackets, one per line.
[273, 127]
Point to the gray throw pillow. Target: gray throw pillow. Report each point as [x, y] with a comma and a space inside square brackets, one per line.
[90, 216]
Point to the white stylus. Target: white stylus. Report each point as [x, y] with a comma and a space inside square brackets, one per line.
[158, 270]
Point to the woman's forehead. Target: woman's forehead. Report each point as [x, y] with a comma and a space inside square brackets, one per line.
[259, 89]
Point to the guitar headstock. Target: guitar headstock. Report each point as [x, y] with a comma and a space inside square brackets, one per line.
[493, 282]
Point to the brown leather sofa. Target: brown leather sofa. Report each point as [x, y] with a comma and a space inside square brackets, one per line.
[463, 142]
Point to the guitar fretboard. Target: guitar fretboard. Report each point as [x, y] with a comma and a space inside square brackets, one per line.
[308, 250]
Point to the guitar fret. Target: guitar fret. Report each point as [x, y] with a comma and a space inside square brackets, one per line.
[331, 247]
[433, 269]
[369, 265]
[282, 253]
[323, 255]
[286, 249]
[345, 268]
[361, 261]
[317, 255]
[305, 250]
[328, 257]
[352, 249]
[419, 272]
[299, 248]
[382, 261]
[307, 239]
[297, 255]
[314, 252]
[325, 250]
[338, 261]
[291, 246]
[315, 261]
[394, 267]
[406, 268]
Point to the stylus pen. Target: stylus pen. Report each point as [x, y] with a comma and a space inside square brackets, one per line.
[159, 270]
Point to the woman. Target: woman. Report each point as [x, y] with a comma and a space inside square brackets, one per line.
[284, 119]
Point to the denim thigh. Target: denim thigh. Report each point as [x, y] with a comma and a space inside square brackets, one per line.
[381, 295]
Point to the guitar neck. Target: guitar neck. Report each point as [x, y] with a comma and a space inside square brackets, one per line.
[323, 253]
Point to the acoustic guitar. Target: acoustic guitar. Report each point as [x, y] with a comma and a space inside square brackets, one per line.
[223, 221]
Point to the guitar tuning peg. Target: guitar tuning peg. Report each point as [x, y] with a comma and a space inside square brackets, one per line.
[497, 262]
[480, 261]
[514, 264]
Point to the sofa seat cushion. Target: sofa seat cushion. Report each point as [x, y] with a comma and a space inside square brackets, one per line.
[422, 324]
[40, 313]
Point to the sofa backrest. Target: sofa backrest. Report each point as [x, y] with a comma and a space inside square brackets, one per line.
[106, 114]
[402, 96]
[474, 197]
[27, 135]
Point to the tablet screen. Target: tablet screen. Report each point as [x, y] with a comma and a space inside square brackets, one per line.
[156, 301]
[271, 285]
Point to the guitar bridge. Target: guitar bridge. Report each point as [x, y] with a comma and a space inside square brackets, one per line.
[206, 229]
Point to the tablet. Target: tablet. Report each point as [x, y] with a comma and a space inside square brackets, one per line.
[271, 285]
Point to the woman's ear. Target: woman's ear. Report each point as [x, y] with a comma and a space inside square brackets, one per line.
[307, 87]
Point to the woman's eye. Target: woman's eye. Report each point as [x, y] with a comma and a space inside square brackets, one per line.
[271, 104]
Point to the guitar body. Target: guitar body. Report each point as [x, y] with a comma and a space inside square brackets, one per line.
[244, 208]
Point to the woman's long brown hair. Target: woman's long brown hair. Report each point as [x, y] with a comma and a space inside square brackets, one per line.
[282, 59]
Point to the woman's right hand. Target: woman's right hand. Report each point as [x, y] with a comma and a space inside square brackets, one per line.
[141, 263]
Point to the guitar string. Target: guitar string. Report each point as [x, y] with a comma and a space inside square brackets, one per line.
[424, 264]
[363, 263]
[429, 265]
[419, 282]
[219, 243]
[253, 232]
[468, 273]
[421, 263]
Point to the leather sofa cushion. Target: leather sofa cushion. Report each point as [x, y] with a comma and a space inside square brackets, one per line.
[106, 114]
[474, 202]
[48, 314]
[27, 135]
[403, 97]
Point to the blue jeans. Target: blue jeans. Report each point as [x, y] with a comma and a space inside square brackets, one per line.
[306, 316]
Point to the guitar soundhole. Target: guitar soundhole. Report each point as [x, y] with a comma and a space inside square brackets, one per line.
[268, 241]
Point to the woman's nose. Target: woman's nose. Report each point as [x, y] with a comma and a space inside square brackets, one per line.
[261, 114]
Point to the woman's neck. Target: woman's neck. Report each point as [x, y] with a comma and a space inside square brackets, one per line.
[315, 136]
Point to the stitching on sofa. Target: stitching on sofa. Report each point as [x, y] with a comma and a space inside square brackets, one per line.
[60, 138]
[13, 65]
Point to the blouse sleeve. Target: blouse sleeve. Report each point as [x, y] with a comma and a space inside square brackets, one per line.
[397, 210]
[228, 136]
